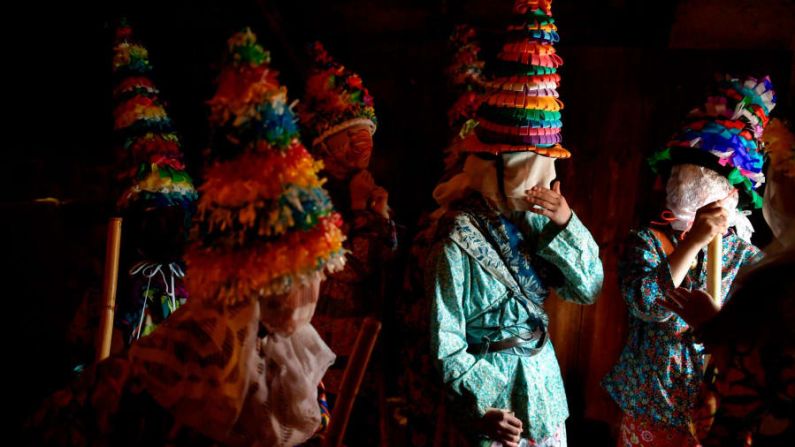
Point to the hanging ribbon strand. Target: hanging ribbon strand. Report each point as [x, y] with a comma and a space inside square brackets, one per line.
[167, 274]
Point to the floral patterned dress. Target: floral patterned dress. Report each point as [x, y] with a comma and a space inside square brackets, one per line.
[658, 376]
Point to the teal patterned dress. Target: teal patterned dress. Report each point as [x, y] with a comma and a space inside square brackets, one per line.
[488, 277]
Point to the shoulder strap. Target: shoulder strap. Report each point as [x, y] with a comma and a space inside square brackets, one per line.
[665, 241]
[533, 309]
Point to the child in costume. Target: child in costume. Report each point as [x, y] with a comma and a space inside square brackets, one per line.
[505, 240]
[340, 119]
[239, 363]
[752, 367]
[715, 165]
[158, 201]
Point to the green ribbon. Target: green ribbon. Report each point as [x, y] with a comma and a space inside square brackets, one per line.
[658, 157]
[253, 54]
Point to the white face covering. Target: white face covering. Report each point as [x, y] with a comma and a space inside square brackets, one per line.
[691, 187]
[521, 171]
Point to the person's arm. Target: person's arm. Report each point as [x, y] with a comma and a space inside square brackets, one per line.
[575, 253]
[564, 241]
[711, 220]
[645, 277]
[681, 259]
[696, 307]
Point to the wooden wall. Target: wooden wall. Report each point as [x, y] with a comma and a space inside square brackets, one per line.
[633, 68]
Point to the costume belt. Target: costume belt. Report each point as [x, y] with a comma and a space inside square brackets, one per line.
[539, 335]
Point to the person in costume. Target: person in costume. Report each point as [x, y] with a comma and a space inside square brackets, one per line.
[506, 239]
[239, 363]
[714, 165]
[340, 119]
[751, 339]
[157, 201]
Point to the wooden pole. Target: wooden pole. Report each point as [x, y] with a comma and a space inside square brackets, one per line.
[351, 381]
[714, 267]
[112, 249]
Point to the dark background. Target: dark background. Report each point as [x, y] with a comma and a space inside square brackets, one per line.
[632, 69]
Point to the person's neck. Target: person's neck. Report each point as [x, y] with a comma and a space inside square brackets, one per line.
[498, 206]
